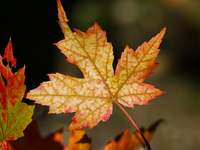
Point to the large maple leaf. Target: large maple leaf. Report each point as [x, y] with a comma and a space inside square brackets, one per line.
[92, 97]
[14, 115]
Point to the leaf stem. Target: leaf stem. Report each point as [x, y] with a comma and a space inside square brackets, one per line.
[129, 117]
[5, 144]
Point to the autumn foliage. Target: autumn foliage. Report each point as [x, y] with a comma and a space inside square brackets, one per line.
[91, 97]
[33, 140]
[14, 115]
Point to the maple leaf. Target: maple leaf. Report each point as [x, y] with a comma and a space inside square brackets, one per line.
[126, 141]
[14, 115]
[32, 140]
[78, 140]
[92, 97]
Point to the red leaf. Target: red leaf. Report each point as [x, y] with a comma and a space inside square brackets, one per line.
[14, 115]
[32, 140]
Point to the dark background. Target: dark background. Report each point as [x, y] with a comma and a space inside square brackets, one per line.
[33, 28]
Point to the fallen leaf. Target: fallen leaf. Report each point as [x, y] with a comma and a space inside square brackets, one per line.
[120, 143]
[92, 97]
[78, 140]
[126, 141]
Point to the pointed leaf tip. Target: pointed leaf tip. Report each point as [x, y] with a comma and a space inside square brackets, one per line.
[163, 31]
[61, 12]
[8, 54]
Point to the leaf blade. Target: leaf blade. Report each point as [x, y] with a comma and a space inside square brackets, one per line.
[89, 50]
[15, 116]
[92, 97]
[68, 94]
[133, 68]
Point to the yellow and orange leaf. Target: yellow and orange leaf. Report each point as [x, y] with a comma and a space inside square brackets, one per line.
[2, 146]
[127, 141]
[75, 141]
[120, 143]
[92, 97]
[79, 140]
[14, 115]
